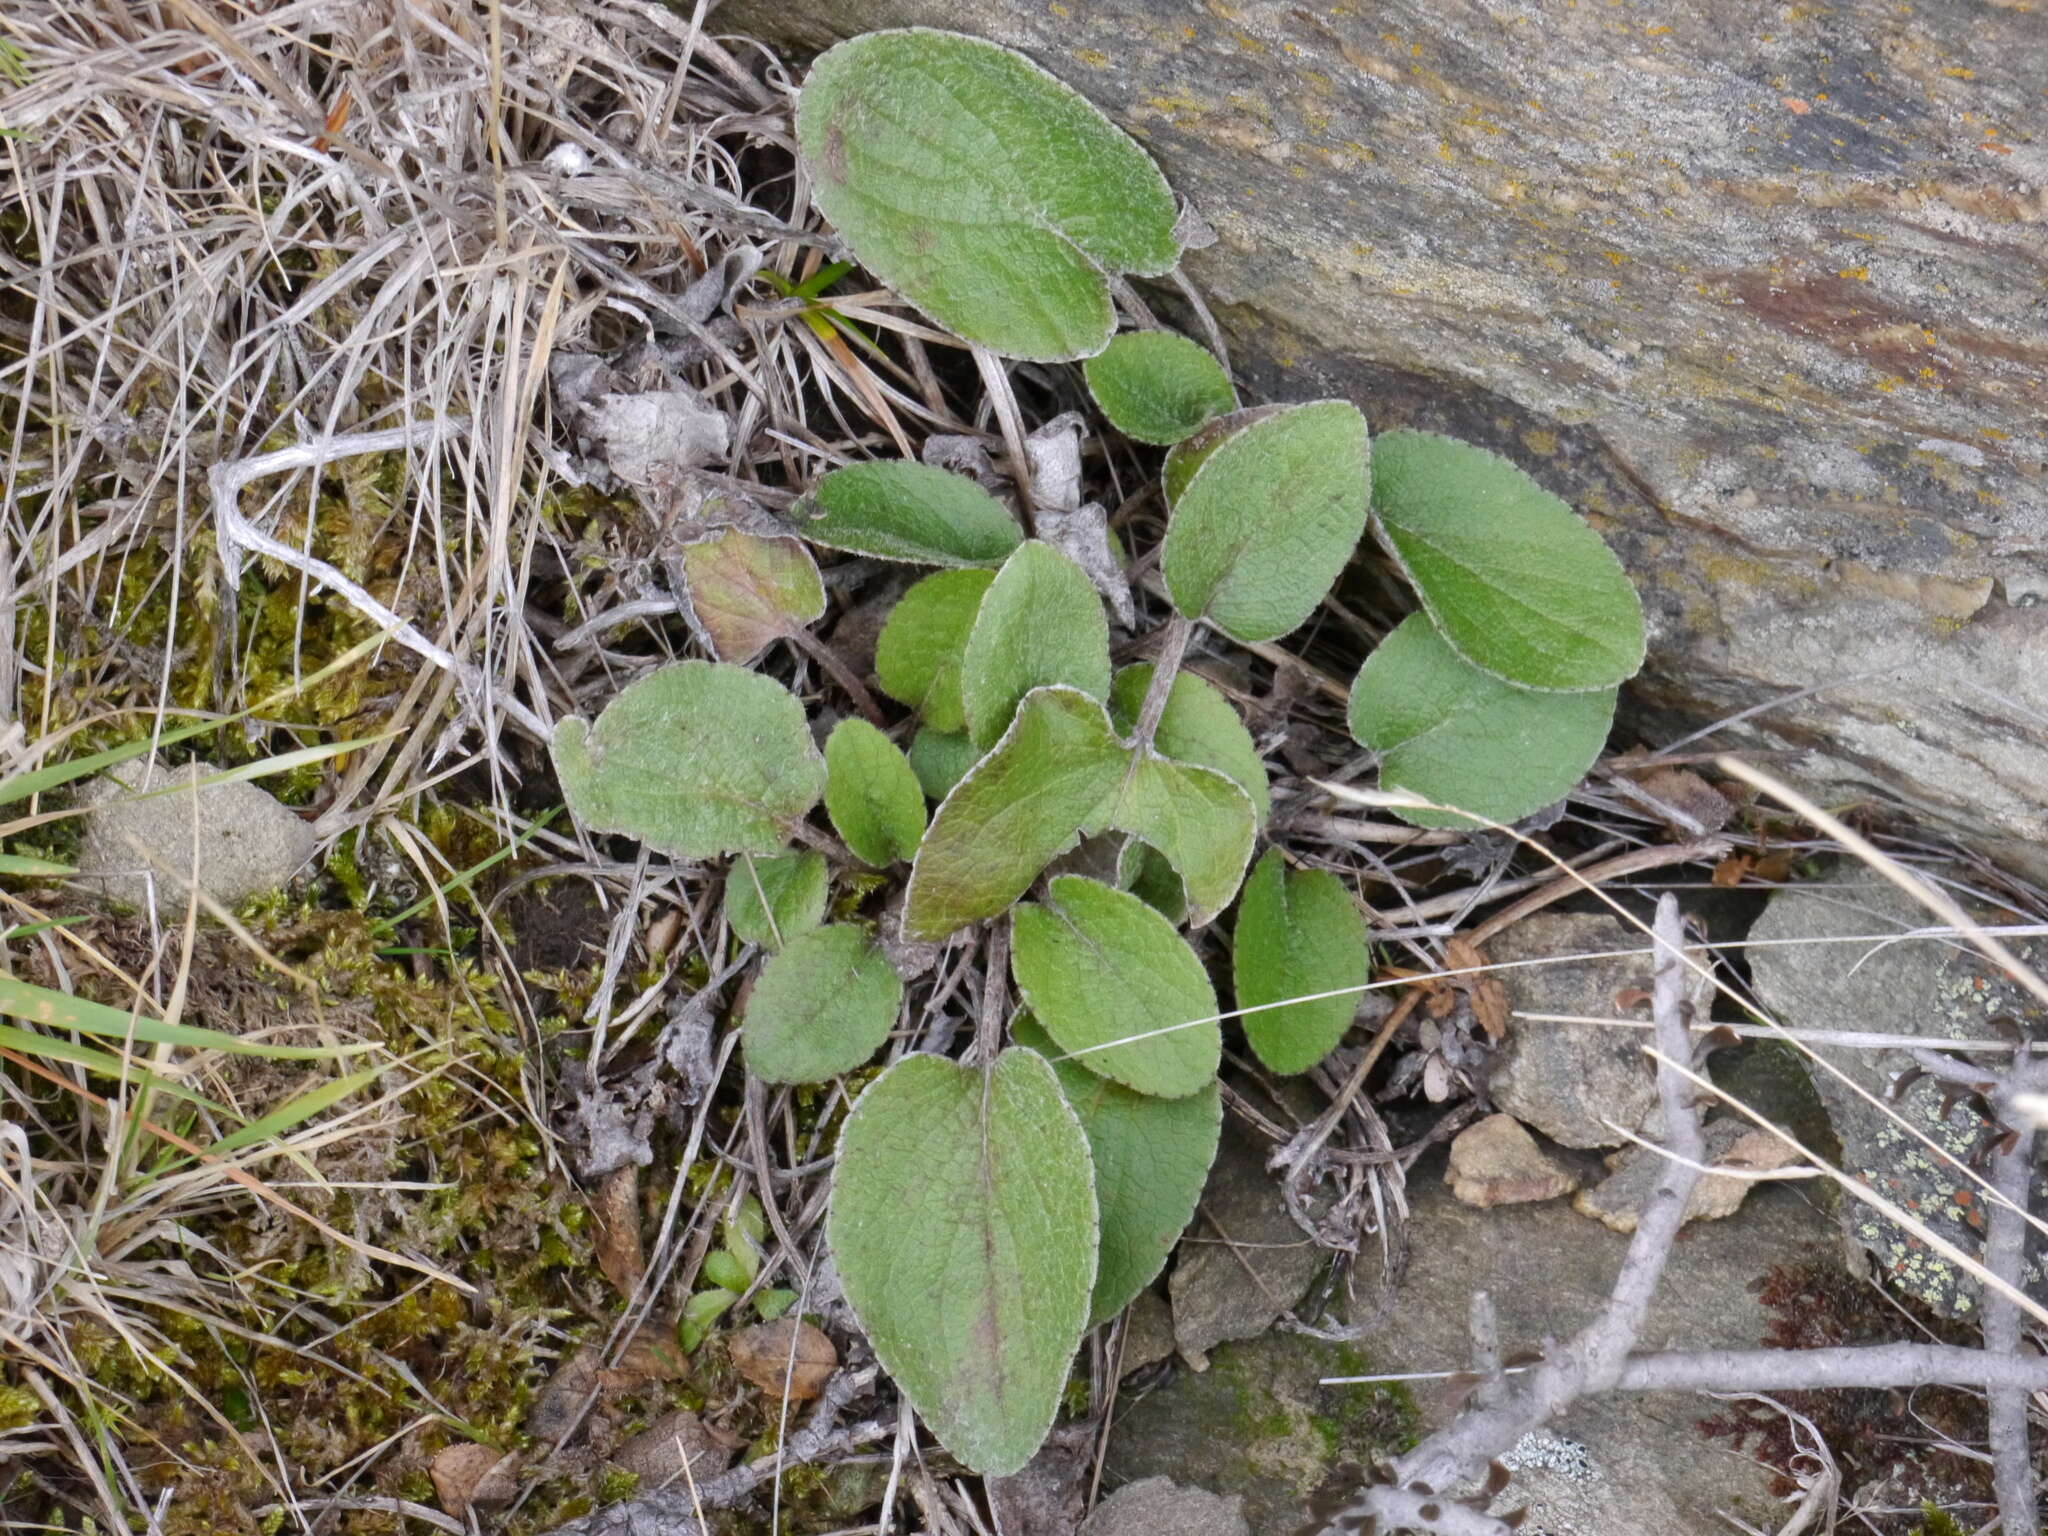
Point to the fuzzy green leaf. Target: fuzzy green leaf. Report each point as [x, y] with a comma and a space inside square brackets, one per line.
[897, 509]
[1157, 386]
[991, 195]
[871, 794]
[1152, 1158]
[1268, 518]
[917, 659]
[770, 901]
[821, 1007]
[1199, 819]
[1298, 933]
[1519, 584]
[696, 760]
[940, 759]
[1018, 809]
[1096, 965]
[1146, 873]
[963, 1227]
[745, 592]
[1197, 726]
[1040, 623]
[1451, 733]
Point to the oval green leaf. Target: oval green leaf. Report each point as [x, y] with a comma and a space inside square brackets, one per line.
[871, 794]
[1018, 809]
[1197, 726]
[917, 658]
[745, 592]
[1519, 584]
[994, 197]
[1040, 624]
[1157, 386]
[1151, 1157]
[1298, 934]
[770, 901]
[963, 1226]
[1267, 519]
[940, 759]
[1097, 966]
[820, 1007]
[896, 509]
[1200, 820]
[1451, 733]
[696, 760]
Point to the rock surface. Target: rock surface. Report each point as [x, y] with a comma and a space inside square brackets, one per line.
[1158, 1507]
[1820, 963]
[1243, 1261]
[1259, 1423]
[1570, 1080]
[1497, 1162]
[1764, 301]
[1620, 1465]
[247, 843]
[1618, 1199]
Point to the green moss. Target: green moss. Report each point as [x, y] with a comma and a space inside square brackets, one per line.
[1934, 1522]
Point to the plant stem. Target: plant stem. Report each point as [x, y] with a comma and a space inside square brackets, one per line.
[1173, 647]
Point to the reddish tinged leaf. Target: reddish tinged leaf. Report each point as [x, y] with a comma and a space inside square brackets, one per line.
[746, 593]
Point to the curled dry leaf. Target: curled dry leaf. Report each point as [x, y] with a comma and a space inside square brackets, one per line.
[616, 1207]
[785, 1354]
[469, 1476]
[658, 1454]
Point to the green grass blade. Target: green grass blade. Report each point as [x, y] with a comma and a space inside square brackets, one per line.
[295, 1111]
[60, 1010]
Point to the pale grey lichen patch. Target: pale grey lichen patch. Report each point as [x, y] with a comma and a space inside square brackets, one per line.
[1919, 1153]
[1540, 1450]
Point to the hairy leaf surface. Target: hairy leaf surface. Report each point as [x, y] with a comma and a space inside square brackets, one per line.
[1454, 734]
[897, 509]
[1298, 934]
[993, 196]
[696, 760]
[1519, 584]
[820, 1007]
[963, 1227]
[1040, 623]
[1116, 987]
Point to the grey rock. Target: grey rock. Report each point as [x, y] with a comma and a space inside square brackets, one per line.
[1570, 1080]
[1259, 1425]
[246, 842]
[1820, 964]
[1763, 301]
[1158, 1507]
[1243, 1261]
[1148, 1333]
[1260, 1422]
[1619, 1465]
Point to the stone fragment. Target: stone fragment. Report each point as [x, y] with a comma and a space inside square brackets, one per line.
[1148, 1332]
[1570, 1081]
[1497, 1162]
[1159, 1507]
[1618, 1200]
[239, 838]
[1243, 1261]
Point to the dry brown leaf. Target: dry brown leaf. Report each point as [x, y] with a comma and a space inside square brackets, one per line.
[651, 1355]
[658, 1453]
[1488, 997]
[616, 1207]
[1686, 801]
[762, 1354]
[469, 1476]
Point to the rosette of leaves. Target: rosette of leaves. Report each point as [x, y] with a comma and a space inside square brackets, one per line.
[1047, 1182]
